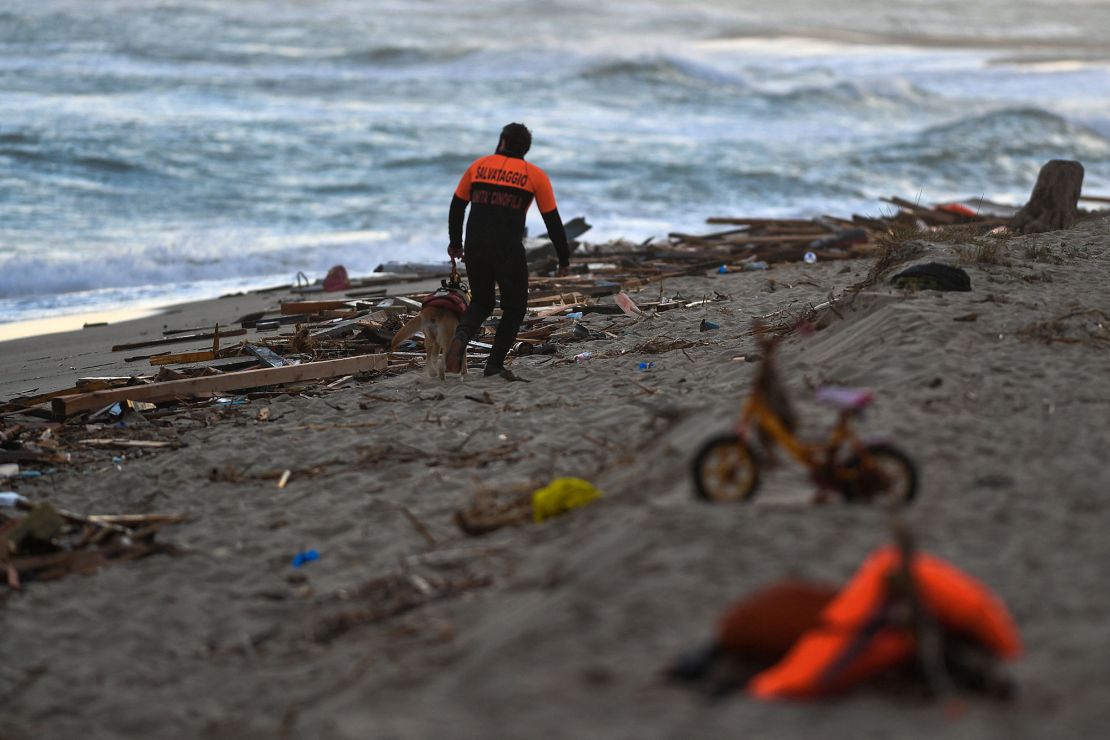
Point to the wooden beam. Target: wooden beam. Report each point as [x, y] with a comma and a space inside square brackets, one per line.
[175, 339]
[1095, 198]
[724, 220]
[941, 217]
[295, 307]
[347, 326]
[183, 357]
[65, 406]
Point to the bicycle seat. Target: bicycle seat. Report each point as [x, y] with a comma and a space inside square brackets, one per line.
[845, 399]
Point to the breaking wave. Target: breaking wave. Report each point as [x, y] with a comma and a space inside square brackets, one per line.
[230, 258]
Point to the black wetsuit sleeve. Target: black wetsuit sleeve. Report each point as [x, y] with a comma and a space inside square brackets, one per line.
[558, 235]
[455, 220]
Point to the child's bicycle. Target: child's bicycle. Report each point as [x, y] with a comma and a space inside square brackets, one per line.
[728, 466]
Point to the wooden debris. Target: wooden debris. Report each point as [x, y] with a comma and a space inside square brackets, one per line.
[176, 339]
[127, 443]
[182, 358]
[310, 307]
[66, 406]
[336, 339]
[40, 543]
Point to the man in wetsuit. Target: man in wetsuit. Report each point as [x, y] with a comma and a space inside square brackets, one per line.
[499, 189]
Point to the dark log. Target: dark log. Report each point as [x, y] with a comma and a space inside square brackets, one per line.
[1054, 202]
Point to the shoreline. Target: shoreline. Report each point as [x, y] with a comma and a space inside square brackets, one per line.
[43, 363]
[73, 322]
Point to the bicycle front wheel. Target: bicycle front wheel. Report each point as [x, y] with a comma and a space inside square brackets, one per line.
[726, 470]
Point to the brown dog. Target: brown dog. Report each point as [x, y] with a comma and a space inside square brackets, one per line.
[438, 325]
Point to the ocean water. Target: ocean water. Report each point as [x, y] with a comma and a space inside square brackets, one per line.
[174, 149]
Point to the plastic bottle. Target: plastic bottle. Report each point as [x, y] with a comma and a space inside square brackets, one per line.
[810, 258]
[722, 270]
[759, 265]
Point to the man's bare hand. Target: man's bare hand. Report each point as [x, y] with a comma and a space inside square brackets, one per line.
[455, 251]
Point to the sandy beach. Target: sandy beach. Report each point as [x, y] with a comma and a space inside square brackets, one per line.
[561, 629]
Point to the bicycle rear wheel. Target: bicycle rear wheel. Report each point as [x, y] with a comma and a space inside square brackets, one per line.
[726, 470]
[889, 476]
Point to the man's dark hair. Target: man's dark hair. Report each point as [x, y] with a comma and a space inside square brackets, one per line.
[516, 139]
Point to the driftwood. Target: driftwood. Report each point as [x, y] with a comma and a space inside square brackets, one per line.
[1054, 203]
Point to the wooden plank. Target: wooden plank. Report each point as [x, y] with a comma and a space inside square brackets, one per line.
[1096, 198]
[175, 339]
[100, 383]
[372, 293]
[723, 220]
[552, 310]
[26, 402]
[412, 304]
[123, 443]
[714, 235]
[294, 307]
[347, 326]
[194, 330]
[941, 217]
[183, 357]
[556, 298]
[66, 406]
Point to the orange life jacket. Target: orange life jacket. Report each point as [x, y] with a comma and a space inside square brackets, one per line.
[764, 626]
[856, 639]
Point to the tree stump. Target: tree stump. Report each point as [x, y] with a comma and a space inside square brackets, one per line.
[1054, 202]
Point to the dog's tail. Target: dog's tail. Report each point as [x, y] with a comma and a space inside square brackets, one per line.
[405, 332]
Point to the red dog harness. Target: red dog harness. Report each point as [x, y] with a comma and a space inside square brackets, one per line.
[452, 296]
[449, 297]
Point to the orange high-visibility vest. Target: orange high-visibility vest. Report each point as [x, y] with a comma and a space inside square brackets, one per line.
[855, 639]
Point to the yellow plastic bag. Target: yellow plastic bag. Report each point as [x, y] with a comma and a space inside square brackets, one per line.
[560, 496]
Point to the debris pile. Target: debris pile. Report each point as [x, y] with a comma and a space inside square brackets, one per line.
[39, 542]
[313, 343]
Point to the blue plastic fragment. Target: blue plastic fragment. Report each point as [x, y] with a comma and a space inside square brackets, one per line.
[575, 315]
[305, 556]
[647, 365]
[722, 270]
